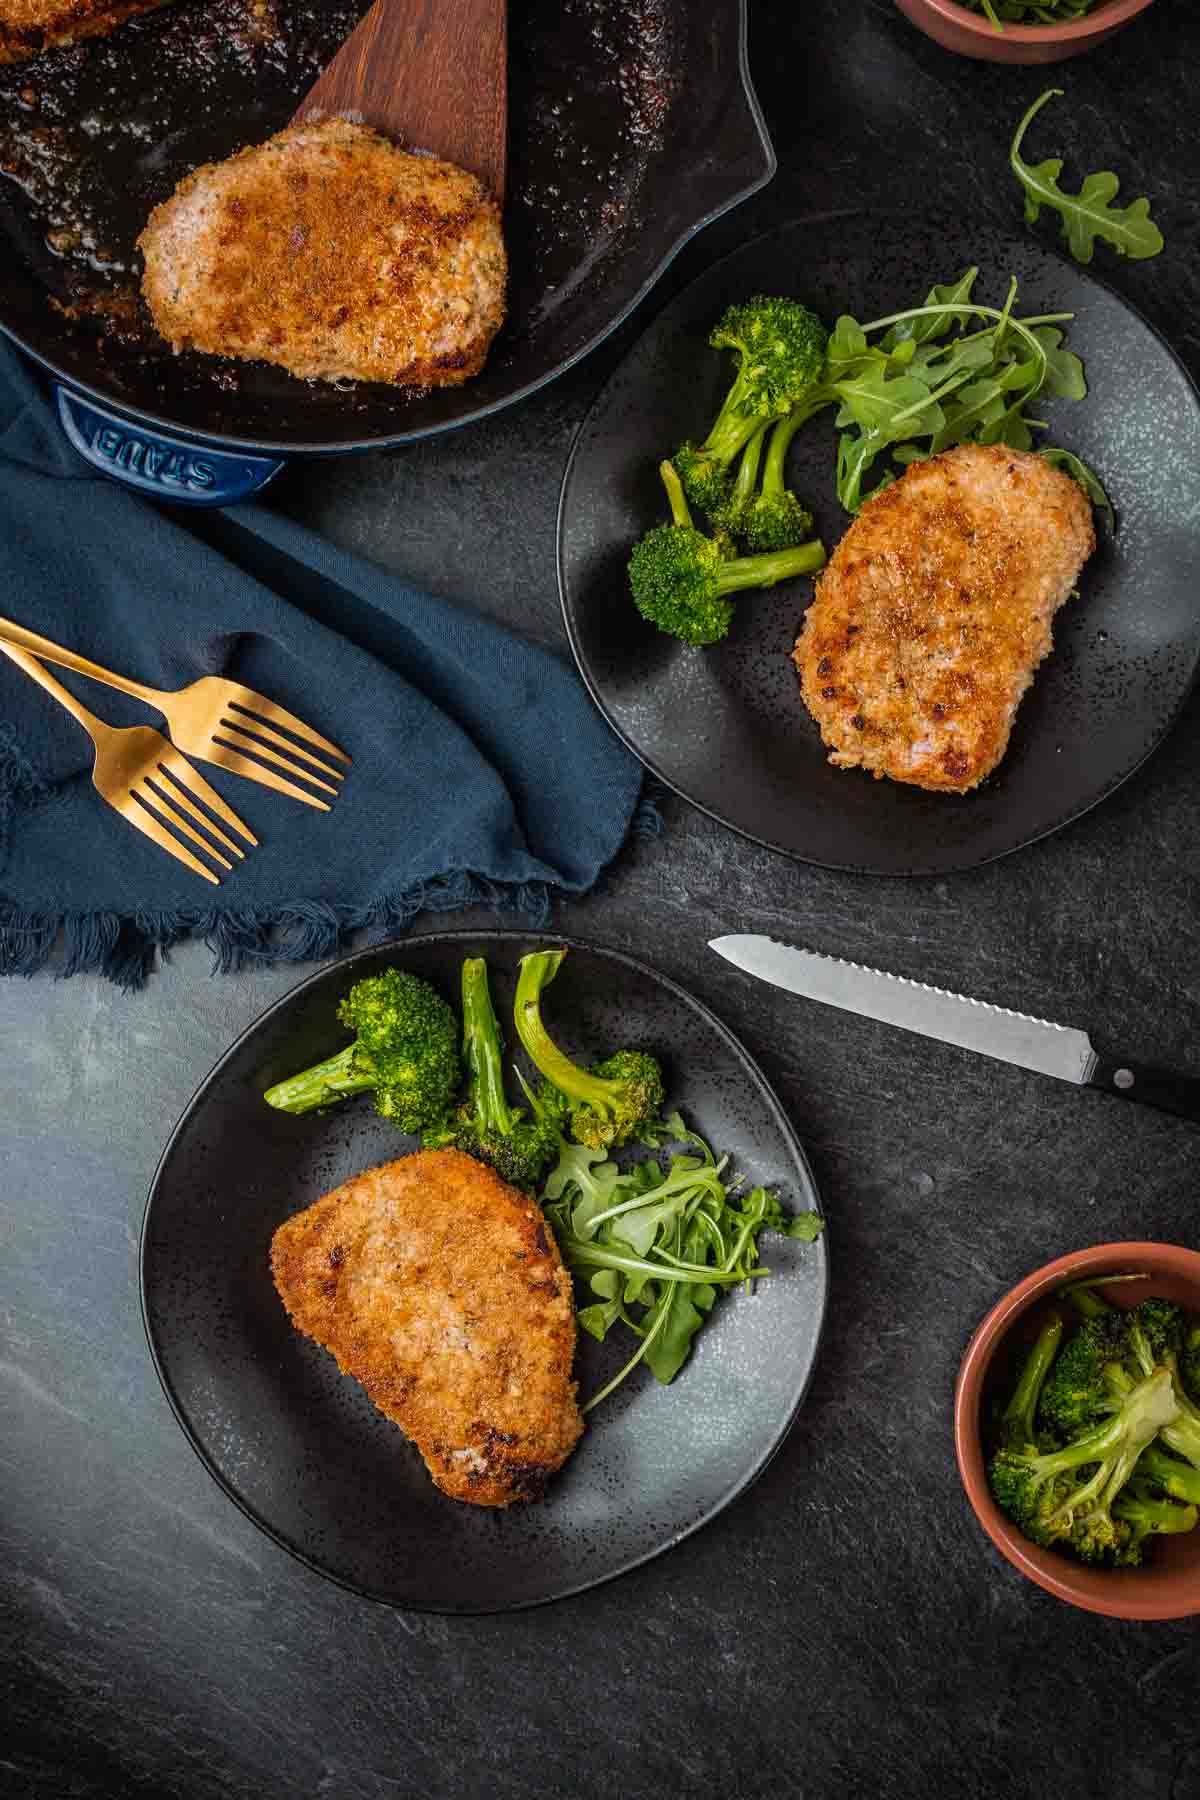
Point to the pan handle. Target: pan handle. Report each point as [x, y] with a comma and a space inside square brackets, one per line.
[164, 467]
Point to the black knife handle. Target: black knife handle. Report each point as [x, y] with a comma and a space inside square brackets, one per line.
[1171, 1093]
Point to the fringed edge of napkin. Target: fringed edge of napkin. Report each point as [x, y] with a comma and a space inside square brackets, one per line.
[126, 948]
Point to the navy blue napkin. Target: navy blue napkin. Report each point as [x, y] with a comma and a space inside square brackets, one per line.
[482, 774]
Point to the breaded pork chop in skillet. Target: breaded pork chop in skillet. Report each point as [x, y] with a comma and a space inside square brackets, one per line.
[935, 610]
[440, 1288]
[28, 27]
[332, 253]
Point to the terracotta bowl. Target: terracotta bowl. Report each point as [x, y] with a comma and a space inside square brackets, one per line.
[973, 34]
[1167, 1586]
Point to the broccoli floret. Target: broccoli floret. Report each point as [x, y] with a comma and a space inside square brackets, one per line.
[608, 1104]
[1105, 1358]
[682, 581]
[773, 518]
[1086, 1476]
[780, 346]
[1080, 1388]
[405, 1053]
[1157, 1330]
[519, 1145]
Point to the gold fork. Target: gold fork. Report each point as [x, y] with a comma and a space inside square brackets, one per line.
[137, 770]
[217, 720]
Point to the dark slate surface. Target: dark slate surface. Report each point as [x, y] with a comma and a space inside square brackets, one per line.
[844, 1629]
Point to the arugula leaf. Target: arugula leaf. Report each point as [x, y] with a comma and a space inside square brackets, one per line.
[920, 330]
[1064, 370]
[1089, 214]
[1087, 478]
[662, 1241]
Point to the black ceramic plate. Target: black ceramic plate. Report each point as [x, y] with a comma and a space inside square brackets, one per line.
[726, 727]
[301, 1449]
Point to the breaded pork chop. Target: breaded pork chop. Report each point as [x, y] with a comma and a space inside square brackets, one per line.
[334, 254]
[934, 611]
[439, 1287]
[28, 27]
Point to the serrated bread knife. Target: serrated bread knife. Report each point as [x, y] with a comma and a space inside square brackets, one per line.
[971, 1024]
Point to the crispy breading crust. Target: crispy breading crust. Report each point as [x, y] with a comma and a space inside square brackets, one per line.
[440, 1288]
[934, 611]
[29, 27]
[334, 254]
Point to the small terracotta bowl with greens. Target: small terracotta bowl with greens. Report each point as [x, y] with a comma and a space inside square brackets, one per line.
[972, 33]
[1167, 1583]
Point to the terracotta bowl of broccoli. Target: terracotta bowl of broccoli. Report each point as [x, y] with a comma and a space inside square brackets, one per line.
[1077, 1428]
[1020, 31]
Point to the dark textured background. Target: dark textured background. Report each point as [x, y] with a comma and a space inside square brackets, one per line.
[845, 1628]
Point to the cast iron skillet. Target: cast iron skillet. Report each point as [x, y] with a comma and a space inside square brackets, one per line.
[301, 1449]
[632, 124]
[726, 726]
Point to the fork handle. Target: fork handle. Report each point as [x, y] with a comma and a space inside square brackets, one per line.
[32, 667]
[13, 634]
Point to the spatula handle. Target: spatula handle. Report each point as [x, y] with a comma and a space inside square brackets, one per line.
[1163, 1088]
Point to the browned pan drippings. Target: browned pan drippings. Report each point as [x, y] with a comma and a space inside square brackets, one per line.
[93, 136]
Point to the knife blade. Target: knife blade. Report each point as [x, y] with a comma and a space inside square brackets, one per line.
[1063, 1051]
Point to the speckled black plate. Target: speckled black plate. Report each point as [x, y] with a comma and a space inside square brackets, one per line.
[301, 1449]
[726, 726]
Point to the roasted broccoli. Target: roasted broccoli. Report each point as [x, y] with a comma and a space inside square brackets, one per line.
[780, 346]
[519, 1145]
[1095, 1477]
[405, 1053]
[1068, 1494]
[682, 581]
[609, 1103]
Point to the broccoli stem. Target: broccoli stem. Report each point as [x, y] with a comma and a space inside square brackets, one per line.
[777, 449]
[681, 513]
[743, 488]
[768, 568]
[1018, 1416]
[732, 429]
[1149, 1516]
[537, 971]
[1176, 1478]
[321, 1085]
[1183, 1434]
[1086, 1303]
[482, 1052]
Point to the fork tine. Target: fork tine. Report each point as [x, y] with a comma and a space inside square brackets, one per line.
[274, 737]
[241, 740]
[150, 795]
[169, 794]
[225, 758]
[145, 821]
[251, 702]
[181, 769]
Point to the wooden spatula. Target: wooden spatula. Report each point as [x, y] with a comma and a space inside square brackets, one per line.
[432, 75]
